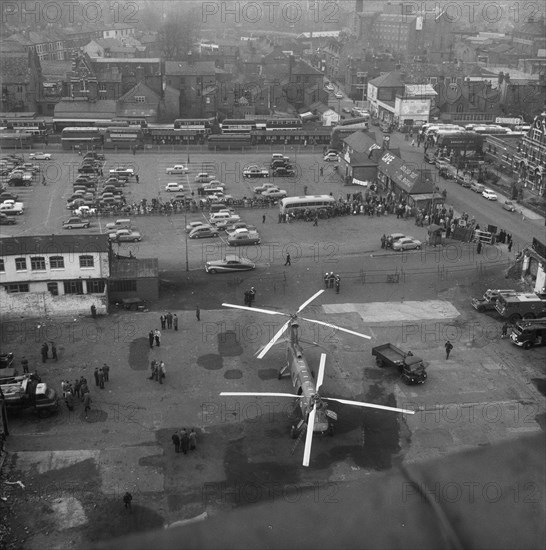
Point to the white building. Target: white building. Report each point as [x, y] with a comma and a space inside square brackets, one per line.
[330, 118]
[53, 275]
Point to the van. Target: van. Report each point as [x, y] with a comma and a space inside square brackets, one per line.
[219, 216]
[279, 156]
[121, 223]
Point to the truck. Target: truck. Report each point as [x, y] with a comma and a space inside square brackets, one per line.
[489, 299]
[521, 305]
[411, 368]
[527, 334]
[27, 392]
[12, 208]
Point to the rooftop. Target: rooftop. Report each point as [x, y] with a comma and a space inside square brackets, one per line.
[183, 68]
[388, 80]
[53, 244]
[134, 268]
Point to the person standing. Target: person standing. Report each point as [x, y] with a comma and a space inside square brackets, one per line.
[193, 439]
[44, 351]
[383, 241]
[198, 312]
[127, 499]
[176, 442]
[184, 441]
[77, 386]
[510, 245]
[24, 364]
[479, 248]
[162, 320]
[169, 320]
[337, 283]
[152, 369]
[449, 347]
[93, 311]
[84, 389]
[175, 321]
[162, 372]
[331, 279]
[54, 351]
[504, 330]
[326, 280]
[151, 338]
[106, 372]
[101, 379]
[263, 218]
[315, 223]
[157, 337]
[288, 262]
[96, 374]
[87, 404]
[69, 400]
[251, 296]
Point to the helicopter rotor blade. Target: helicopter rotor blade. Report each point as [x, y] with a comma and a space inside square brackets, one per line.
[338, 328]
[320, 376]
[257, 394]
[273, 340]
[307, 302]
[370, 405]
[309, 436]
[268, 311]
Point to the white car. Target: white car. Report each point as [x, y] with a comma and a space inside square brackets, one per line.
[329, 87]
[40, 156]
[331, 157]
[174, 187]
[274, 193]
[489, 194]
[192, 225]
[177, 169]
[407, 243]
[338, 95]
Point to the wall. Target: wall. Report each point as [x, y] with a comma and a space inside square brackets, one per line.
[42, 304]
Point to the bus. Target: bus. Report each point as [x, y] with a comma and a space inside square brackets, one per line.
[33, 126]
[363, 122]
[310, 135]
[491, 130]
[238, 141]
[290, 205]
[59, 124]
[127, 137]
[238, 126]
[466, 144]
[198, 125]
[527, 334]
[282, 123]
[87, 138]
[142, 122]
[112, 124]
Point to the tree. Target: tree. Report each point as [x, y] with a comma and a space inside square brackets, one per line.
[178, 33]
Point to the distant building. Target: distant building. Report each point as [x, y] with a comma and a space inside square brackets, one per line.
[47, 45]
[531, 158]
[118, 31]
[108, 47]
[530, 37]
[53, 275]
[140, 102]
[382, 93]
[20, 79]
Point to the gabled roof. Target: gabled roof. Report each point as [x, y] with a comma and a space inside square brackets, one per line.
[183, 68]
[301, 67]
[360, 141]
[405, 175]
[53, 244]
[418, 90]
[142, 90]
[388, 80]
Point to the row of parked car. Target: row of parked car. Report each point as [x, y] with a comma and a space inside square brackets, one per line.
[16, 172]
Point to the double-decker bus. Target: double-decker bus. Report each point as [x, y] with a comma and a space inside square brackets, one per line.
[111, 124]
[491, 130]
[33, 126]
[87, 138]
[289, 205]
[346, 128]
[228, 142]
[198, 125]
[238, 126]
[127, 137]
[309, 135]
[465, 144]
[142, 122]
[59, 124]
[283, 124]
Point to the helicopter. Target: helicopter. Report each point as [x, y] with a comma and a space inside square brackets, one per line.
[313, 406]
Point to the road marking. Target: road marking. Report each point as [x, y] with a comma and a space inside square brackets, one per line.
[379, 312]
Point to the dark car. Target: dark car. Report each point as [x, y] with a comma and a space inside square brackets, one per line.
[8, 197]
[283, 172]
[6, 220]
[88, 170]
[229, 263]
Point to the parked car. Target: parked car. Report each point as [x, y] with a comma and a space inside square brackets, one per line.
[407, 243]
[231, 227]
[12, 208]
[203, 232]
[123, 172]
[174, 187]
[192, 225]
[94, 155]
[40, 156]
[85, 211]
[229, 263]
[125, 235]
[243, 237]
[477, 187]
[76, 223]
[274, 193]
[7, 220]
[331, 157]
[263, 187]
[222, 224]
[203, 177]
[392, 238]
[329, 87]
[489, 194]
[177, 169]
[255, 172]
[29, 167]
[283, 172]
[509, 205]
[120, 223]
[5, 196]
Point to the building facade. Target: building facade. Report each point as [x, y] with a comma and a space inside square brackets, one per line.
[53, 275]
[531, 157]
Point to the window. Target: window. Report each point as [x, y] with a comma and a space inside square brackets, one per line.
[140, 99]
[15, 288]
[87, 261]
[95, 286]
[73, 287]
[123, 286]
[2, 267]
[37, 263]
[56, 262]
[53, 288]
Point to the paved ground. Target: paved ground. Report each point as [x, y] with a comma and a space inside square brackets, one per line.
[76, 470]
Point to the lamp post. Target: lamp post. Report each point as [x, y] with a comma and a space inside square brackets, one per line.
[186, 235]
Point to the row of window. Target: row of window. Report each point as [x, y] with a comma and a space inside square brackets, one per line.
[38, 263]
[93, 286]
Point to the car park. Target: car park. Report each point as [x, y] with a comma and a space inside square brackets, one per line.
[331, 157]
[125, 235]
[229, 264]
[243, 237]
[489, 194]
[274, 193]
[407, 243]
[509, 205]
[76, 223]
[174, 187]
[203, 232]
[177, 169]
